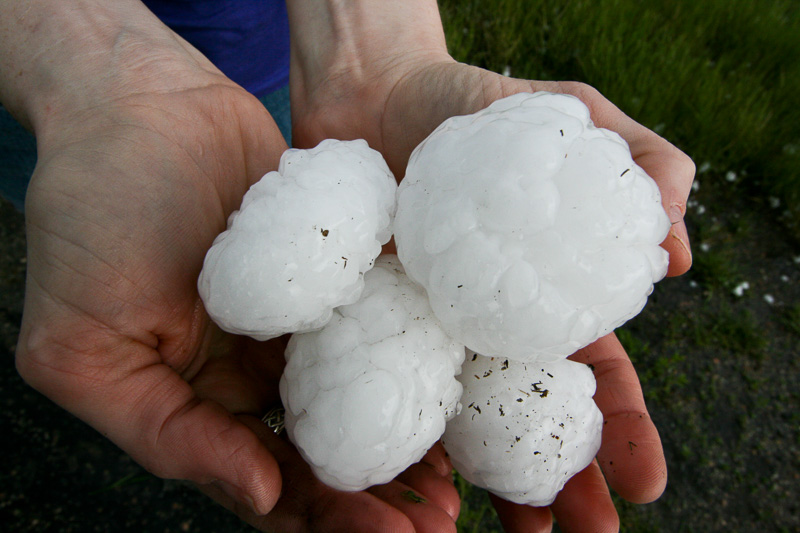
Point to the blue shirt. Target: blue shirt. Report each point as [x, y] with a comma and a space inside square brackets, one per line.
[248, 40]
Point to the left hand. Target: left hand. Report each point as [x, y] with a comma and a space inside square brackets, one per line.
[393, 89]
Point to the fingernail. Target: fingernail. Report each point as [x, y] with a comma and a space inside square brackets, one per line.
[237, 494]
[675, 213]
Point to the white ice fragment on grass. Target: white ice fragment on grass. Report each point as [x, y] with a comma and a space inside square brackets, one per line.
[533, 232]
[731, 176]
[785, 278]
[702, 169]
[301, 241]
[507, 70]
[740, 289]
[769, 299]
[524, 428]
[368, 394]
[701, 209]
[774, 202]
[704, 247]
[693, 284]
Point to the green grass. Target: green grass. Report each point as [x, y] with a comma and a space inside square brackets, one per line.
[718, 78]
[477, 514]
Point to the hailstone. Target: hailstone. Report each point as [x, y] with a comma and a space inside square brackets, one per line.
[368, 394]
[533, 232]
[525, 428]
[301, 241]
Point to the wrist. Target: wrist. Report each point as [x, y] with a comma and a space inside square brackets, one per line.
[61, 59]
[347, 57]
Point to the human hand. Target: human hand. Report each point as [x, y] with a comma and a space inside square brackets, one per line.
[386, 76]
[144, 150]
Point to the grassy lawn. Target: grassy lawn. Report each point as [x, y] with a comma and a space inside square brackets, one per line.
[716, 348]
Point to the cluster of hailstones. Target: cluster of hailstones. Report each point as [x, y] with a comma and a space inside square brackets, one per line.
[523, 233]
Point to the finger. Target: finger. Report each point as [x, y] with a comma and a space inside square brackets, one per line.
[438, 490]
[522, 518]
[177, 435]
[585, 505]
[306, 504]
[439, 460]
[425, 514]
[672, 170]
[631, 454]
[153, 414]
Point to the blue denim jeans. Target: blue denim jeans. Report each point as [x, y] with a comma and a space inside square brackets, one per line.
[18, 146]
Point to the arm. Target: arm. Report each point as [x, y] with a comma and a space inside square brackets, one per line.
[144, 148]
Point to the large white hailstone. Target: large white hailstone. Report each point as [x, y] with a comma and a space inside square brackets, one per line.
[533, 232]
[301, 241]
[367, 395]
[525, 428]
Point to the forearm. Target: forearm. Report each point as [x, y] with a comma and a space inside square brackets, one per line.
[348, 56]
[344, 35]
[58, 58]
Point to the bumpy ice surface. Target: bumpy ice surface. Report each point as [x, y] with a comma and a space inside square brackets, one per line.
[524, 428]
[533, 232]
[301, 241]
[367, 395]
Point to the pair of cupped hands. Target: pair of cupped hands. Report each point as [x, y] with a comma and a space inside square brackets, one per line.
[141, 160]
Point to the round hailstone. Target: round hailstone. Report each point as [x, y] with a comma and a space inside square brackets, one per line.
[524, 428]
[533, 232]
[301, 241]
[367, 395]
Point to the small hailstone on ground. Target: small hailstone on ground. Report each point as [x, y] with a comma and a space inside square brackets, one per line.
[739, 289]
[770, 299]
[367, 395]
[533, 232]
[301, 241]
[524, 428]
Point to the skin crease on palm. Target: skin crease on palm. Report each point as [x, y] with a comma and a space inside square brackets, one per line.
[144, 150]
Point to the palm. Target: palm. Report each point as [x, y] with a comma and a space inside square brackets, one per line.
[119, 218]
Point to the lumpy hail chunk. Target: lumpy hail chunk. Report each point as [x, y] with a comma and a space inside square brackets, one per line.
[525, 428]
[533, 232]
[368, 394]
[301, 241]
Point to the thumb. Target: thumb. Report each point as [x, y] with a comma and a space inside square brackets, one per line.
[155, 416]
[200, 441]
